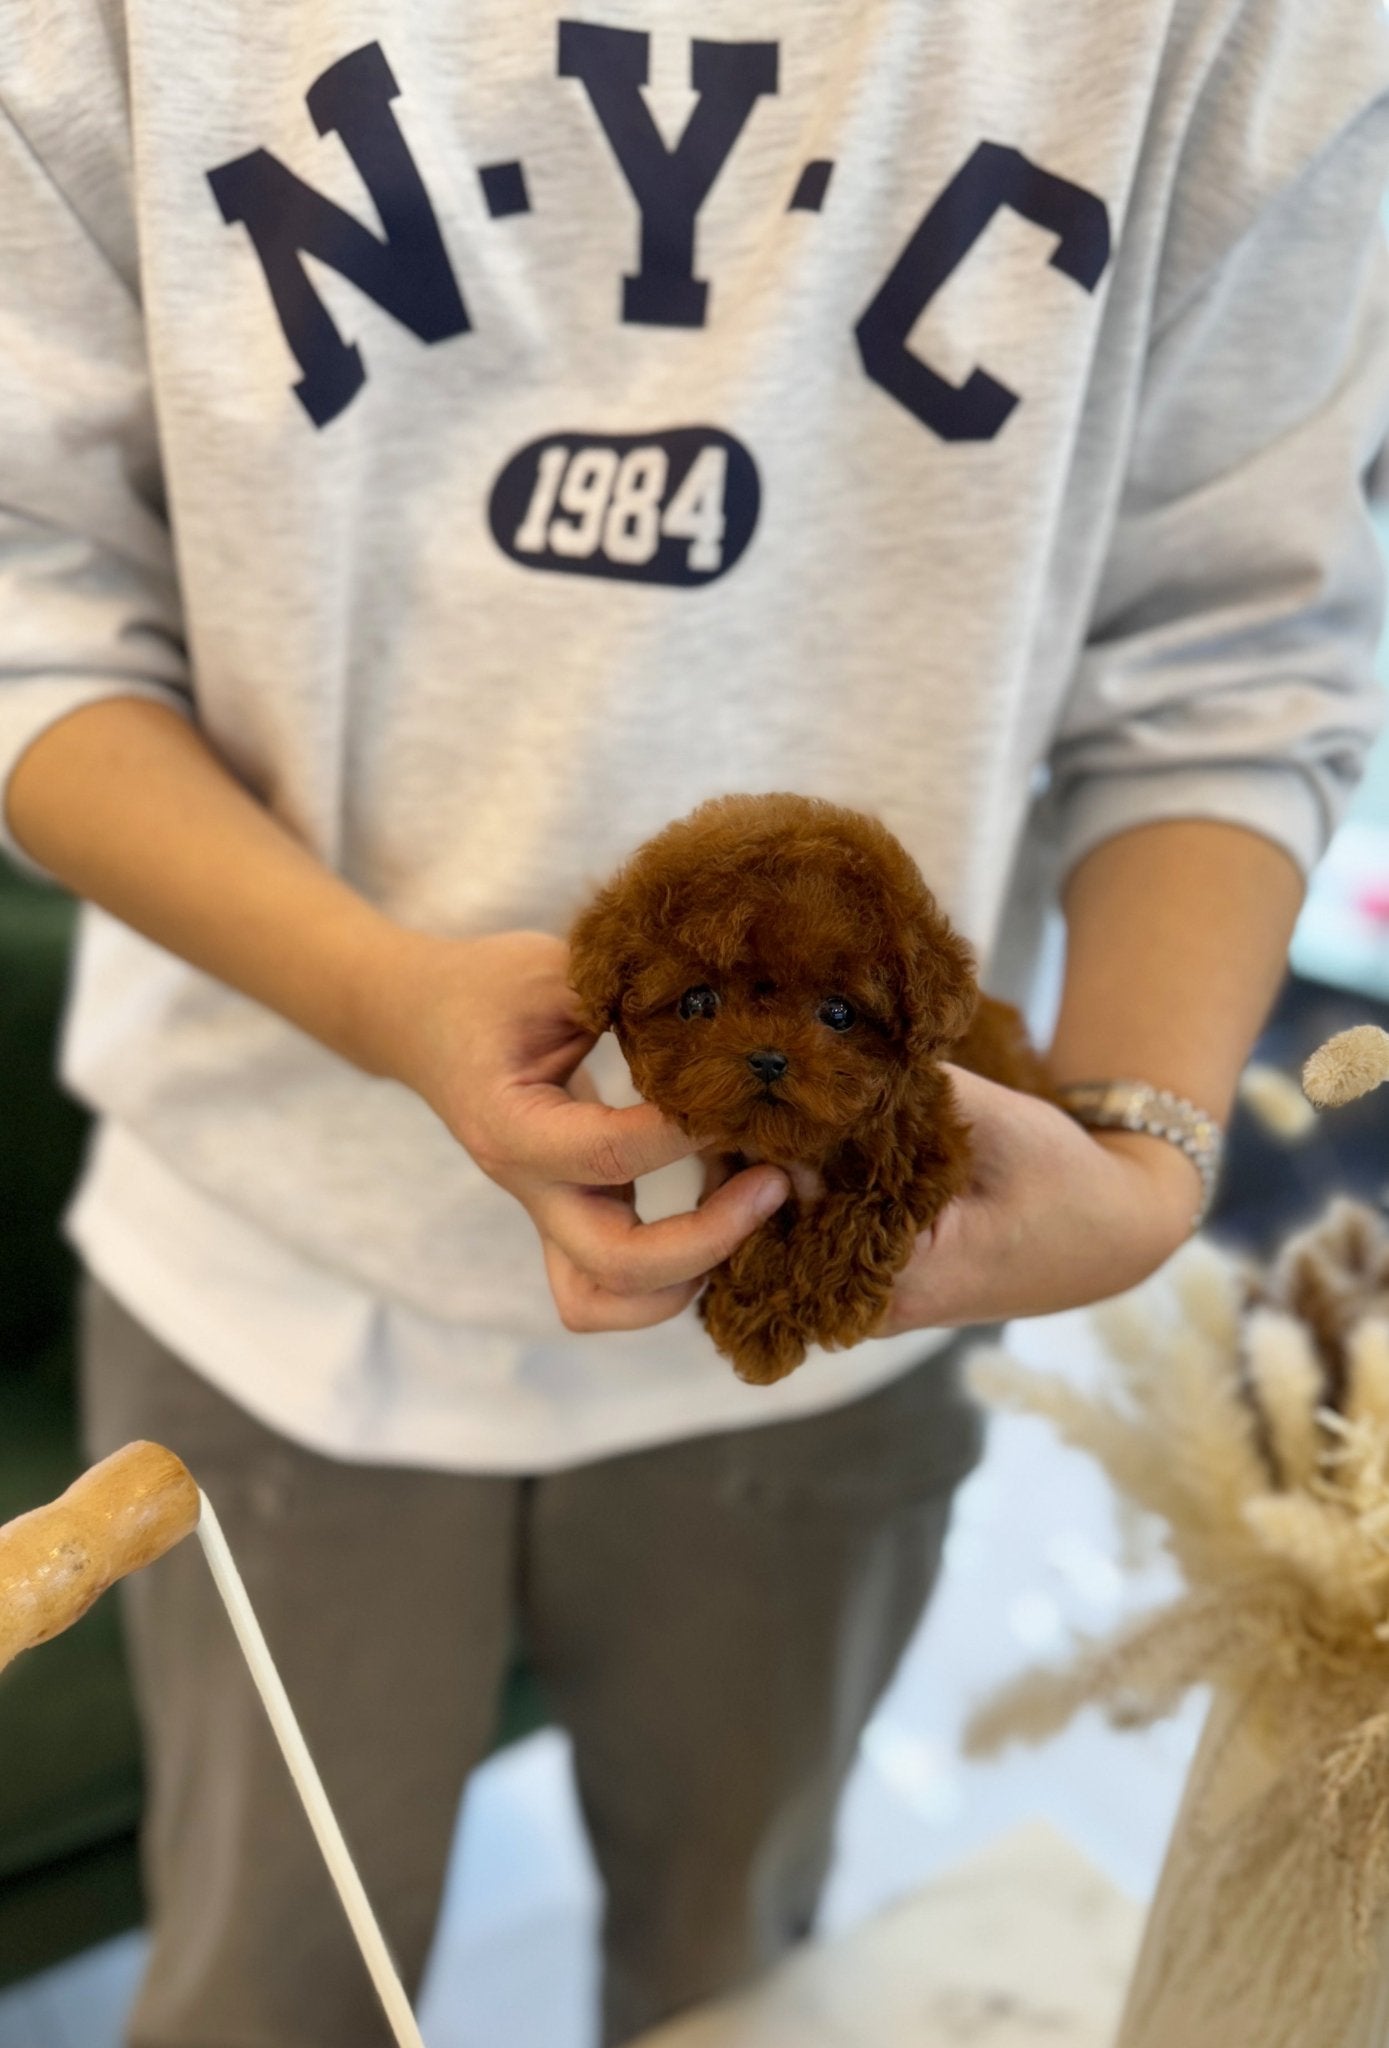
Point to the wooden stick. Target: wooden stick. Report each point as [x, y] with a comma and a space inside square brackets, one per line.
[56, 1560]
[307, 1783]
[123, 1514]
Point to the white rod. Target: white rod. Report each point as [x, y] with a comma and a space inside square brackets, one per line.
[307, 1782]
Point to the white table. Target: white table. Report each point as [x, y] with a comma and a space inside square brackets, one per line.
[1024, 1946]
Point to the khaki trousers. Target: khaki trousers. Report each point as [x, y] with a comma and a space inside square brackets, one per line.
[712, 1621]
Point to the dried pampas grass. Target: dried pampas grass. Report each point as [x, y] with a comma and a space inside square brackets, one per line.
[1347, 1066]
[1275, 1099]
[1249, 1410]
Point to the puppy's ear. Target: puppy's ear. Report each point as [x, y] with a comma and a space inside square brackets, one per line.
[940, 990]
[602, 959]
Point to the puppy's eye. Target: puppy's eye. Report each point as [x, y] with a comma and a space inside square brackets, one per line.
[835, 1012]
[698, 1002]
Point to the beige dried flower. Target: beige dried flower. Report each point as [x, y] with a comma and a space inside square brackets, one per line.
[1289, 1386]
[1368, 1389]
[1347, 1066]
[1250, 1412]
[1276, 1101]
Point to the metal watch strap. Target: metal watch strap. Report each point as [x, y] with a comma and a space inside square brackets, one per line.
[1158, 1113]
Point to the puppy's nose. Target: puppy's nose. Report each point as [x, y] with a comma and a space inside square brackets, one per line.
[767, 1065]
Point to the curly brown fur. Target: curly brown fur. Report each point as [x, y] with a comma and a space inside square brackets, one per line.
[777, 905]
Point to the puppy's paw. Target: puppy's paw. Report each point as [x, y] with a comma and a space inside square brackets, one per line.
[759, 1269]
[837, 1322]
[840, 1265]
[762, 1341]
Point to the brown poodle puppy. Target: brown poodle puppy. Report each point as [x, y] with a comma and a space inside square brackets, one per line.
[784, 986]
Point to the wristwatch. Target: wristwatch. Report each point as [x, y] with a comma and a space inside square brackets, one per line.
[1158, 1113]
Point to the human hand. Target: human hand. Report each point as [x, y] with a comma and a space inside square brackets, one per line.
[1054, 1217]
[486, 1031]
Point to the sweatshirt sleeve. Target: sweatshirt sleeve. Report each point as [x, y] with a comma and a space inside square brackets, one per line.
[1229, 668]
[88, 595]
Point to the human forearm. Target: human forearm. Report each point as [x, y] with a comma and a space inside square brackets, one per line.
[1177, 939]
[125, 803]
[1178, 934]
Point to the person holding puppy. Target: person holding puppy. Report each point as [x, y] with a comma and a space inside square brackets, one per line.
[432, 458]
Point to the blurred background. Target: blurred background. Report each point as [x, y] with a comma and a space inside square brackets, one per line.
[1034, 1554]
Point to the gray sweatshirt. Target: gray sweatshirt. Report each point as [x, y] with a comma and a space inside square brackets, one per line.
[501, 427]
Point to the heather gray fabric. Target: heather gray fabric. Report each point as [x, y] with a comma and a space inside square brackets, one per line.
[1050, 343]
[713, 1622]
